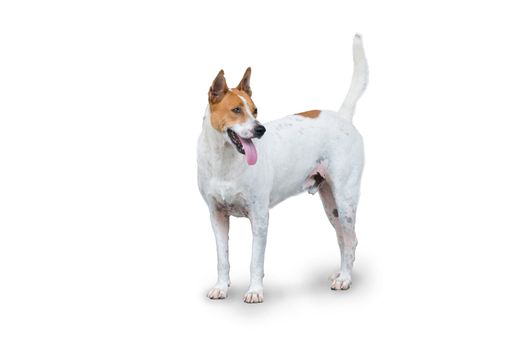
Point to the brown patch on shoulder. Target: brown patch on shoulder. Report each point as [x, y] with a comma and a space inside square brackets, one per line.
[314, 113]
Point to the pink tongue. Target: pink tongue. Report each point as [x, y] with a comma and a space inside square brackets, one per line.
[249, 151]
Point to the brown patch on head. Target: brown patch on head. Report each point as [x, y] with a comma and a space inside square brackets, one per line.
[229, 111]
[226, 106]
[248, 99]
[310, 114]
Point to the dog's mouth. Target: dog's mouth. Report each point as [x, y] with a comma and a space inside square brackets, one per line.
[243, 146]
[236, 140]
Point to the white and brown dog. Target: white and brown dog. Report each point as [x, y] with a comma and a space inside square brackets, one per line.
[244, 174]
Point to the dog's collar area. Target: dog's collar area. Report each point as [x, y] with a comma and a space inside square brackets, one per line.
[235, 140]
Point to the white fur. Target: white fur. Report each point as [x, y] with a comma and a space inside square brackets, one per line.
[292, 150]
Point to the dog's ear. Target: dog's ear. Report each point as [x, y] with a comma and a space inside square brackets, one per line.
[218, 88]
[244, 85]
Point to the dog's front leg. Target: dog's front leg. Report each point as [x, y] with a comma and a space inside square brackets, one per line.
[220, 223]
[259, 222]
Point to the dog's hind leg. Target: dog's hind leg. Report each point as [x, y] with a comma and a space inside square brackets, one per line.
[332, 212]
[340, 204]
[346, 198]
[220, 223]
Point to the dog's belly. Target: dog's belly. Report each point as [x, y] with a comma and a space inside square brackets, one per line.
[309, 178]
[303, 150]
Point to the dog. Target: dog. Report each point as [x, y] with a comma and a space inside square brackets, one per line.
[245, 168]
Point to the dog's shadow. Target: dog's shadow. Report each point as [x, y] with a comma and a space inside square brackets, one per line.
[314, 288]
[317, 285]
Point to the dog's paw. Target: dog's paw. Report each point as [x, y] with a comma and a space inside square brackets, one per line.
[340, 282]
[252, 297]
[218, 293]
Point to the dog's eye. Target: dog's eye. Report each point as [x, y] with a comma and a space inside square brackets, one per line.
[237, 110]
[255, 111]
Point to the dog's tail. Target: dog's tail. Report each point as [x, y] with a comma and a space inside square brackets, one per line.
[359, 79]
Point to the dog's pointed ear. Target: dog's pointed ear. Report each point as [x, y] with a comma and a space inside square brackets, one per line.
[218, 88]
[244, 85]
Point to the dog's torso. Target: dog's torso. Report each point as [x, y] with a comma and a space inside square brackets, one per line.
[296, 153]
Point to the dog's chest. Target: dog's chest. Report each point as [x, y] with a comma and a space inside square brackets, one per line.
[228, 198]
[237, 209]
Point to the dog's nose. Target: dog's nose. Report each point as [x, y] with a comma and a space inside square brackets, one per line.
[259, 131]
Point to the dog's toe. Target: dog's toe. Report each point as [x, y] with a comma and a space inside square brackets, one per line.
[217, 293]
[339, 282]
[253, 297]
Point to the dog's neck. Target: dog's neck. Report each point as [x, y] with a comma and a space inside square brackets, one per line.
[223, 159]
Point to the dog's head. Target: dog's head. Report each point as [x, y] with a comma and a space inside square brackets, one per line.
[234, 114]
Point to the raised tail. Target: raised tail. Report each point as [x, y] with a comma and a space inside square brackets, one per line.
[359, 79]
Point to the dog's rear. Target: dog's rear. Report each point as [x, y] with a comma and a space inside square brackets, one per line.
[321, 137]
[339, 187]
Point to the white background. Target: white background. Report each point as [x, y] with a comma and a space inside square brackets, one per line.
[105, 241]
